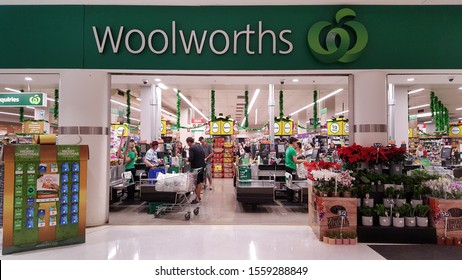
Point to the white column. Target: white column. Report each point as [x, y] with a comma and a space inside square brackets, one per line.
[302, 120]
[271, 113]
[370, 108]
[400, 116]
[41, 113]
[147, 95]
[84, 119]
[156, 104]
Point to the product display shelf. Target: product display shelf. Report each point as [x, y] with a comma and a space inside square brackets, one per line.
[390, 234]
[228, 159]
[218, 154]
[414, 142]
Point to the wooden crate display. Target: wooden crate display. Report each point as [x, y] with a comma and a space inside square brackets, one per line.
[438, 207]
[324, 214]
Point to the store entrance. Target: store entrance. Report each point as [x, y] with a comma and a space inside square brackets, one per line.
[248, 185]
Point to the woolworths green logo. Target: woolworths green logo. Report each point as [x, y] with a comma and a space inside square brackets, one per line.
[342, 41]
[35, 100]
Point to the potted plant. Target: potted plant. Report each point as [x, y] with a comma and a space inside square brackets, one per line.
[384, 215]
[353, 236]
[399, 196]
[366, 217]
[398, 218]
[421, 211]
[332, 237]
[417, 195]
[409, 215]
[389, 193]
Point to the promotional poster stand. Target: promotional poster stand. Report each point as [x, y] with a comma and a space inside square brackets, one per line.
[44, 196]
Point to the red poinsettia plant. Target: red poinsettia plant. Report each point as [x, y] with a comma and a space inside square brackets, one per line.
[357, 153]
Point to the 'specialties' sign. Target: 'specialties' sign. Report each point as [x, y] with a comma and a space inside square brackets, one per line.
[33, 99]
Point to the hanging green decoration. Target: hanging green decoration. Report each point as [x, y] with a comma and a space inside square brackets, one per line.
[178, 105]
[56, 105]
[432, 103]
[128, 106]
[439, 115]
[281, 105]
[315, 109]
[21, 112]
[446, 119]
[212, 109]
[246, 109]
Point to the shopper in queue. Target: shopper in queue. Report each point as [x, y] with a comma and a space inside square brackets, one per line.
[150, 159]
[197, 161]
[208, 152]
[291, 157]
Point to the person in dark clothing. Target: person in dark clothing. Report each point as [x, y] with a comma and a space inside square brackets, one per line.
[197, 161]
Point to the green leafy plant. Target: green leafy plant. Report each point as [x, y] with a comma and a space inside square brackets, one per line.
[417, 192]
[381, 210]
[366, 211]
[389, 192]
[408, 210]
[399, 211]
[399, 193]
[422, 210]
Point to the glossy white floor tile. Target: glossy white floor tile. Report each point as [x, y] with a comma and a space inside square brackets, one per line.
[200, 242]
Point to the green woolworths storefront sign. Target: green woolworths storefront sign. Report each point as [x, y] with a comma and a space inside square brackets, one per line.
[231, 38]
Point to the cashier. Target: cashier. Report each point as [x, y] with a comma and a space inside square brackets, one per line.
[291, 157]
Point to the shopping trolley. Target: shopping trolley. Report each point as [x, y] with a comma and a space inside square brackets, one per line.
[174, 190]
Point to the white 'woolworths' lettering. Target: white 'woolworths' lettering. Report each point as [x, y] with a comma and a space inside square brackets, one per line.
[195, 40]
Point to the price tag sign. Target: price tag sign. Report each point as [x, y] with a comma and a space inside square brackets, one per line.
[342, 213]
[445, 214]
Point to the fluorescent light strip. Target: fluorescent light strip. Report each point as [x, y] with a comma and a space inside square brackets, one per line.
[192, 106]
[416, 90]
[254, 98]
[410, 79]
[460, 88]
[341, 113]
[162, 86]
[125, 105]
[13, 90]
[428, 122]
[13, 114]
[330, 95]
[458, 109]
[419, 106]
[168, 113]
[423, 115]
[321, 99]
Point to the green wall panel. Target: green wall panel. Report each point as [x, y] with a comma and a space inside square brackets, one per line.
[399, 37]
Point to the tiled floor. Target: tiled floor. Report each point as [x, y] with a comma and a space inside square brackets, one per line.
[223, 230]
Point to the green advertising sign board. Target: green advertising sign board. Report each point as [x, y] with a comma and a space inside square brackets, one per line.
[33, 99]
[68, 153]
[27, 153]
[247, 38]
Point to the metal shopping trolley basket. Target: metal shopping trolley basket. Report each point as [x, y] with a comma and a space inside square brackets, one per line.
[175, 190]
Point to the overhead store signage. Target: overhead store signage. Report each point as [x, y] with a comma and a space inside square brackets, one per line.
[248, 38]
[33, 99]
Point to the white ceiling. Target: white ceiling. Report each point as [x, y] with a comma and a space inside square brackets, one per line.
[229, 91]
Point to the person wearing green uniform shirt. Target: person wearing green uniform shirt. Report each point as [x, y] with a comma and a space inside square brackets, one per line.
[130, 159]
[291, 157]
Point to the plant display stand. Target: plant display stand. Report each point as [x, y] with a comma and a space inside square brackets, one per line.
[438, 209]
[324, 214]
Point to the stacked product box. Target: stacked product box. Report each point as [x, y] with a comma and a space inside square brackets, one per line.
[228, 159]
[217, 160]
